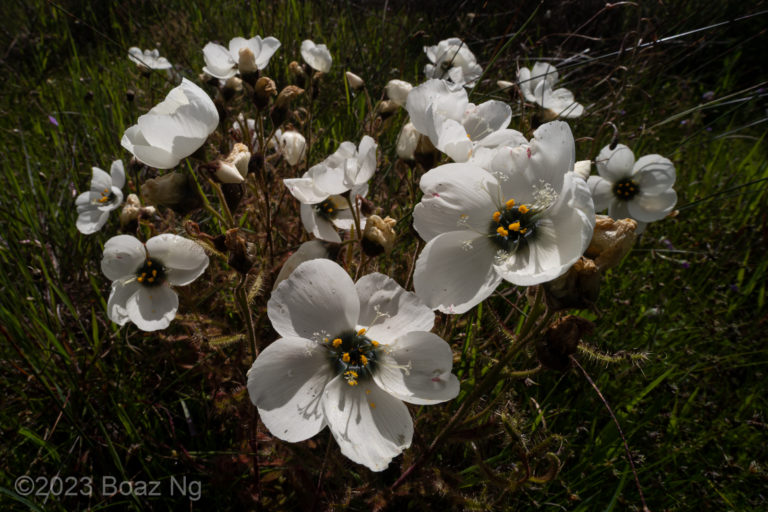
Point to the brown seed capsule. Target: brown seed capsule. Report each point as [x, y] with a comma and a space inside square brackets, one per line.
[379, 235]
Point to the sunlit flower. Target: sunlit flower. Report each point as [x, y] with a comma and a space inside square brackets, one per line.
[243, 55]
[316, 55]
[105, 195]
[456, 127]
[526, 221]
[537, 86]
[452, 60]
[293, 145]
[641, 190]
[173, 129]
[349, 355]
[149, 59]
[397, 91]
[142, 276]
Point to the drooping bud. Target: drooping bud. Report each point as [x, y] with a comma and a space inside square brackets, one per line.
[397, 91]
[611, 241]
[504, 85]
[173, 190]
[354, 81]
[379, 235]
[263, 91]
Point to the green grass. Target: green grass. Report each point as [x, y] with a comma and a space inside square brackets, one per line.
[83, 397]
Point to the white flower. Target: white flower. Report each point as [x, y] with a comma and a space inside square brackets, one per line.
[456, 127]
[407, 142]
[174, 128]
[452, 60]
[142, 276]
[316, 55]
[93, 207]
[641, 190]
[293, 145]
[348, 356]
[525, 221]
[149, 59]
[243, 55]
[397, 91]
[537, 87]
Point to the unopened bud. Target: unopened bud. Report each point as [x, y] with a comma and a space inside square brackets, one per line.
[263, 91]
[233, 168]
[397, 91]
[293, 145]
[297, 73]
[407, 142]
[354, 81]
[379, 235]
[279, 112]
[611, 241]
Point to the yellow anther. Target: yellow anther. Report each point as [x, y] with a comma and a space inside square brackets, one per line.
[149, 263]
[367, 391]
[373, 405]
[361, 332]
[496, 216]
[510, 203]
[503, 232]
[363, 360]
[154, 272]
[352, 382]
[345, 357]
[523, 209]
[326, 340]
[337, 342]
[105, 191]
[103, 199]
[522, 231]
[330, 209]
[515, 226]
[374, 343]
[143, 274]
[151, 279]
[139, 279]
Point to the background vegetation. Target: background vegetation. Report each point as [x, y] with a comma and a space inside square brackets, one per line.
[82, 397]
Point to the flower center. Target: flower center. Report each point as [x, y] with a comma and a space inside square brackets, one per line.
[353, 355]
[512, 226]
[626, 189]
[107, 196]
[151, 273]
[327, 209]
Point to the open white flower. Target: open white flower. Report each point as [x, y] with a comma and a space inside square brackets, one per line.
[442, 112]
[243, 55]
[348, 356]
[142, 276]
[452, 60]
[149, 59]
[641, 190]
[537, 86]
[526, 221]
[174, 128]
[105, 195]
[316, 55]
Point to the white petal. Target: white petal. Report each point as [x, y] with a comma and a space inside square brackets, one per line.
[619, 209]
[133, 140]
[269, 46]
[91, 220]
[123, 255]
[152, 308]
[317, 56]
[371, 426]
[526, 84]
[100, 180]
[652, 207]
[482, 120]
[602, 192]
[453, 190]
[318, 299]
[117, 172]
[388, 311]
[553, 153]
[448, 102]
[454, 272]
[305, 190]
[366, 163]
[397, 91]
[615, 164]
[219, 62]
[450, 137]
[118, 299]
[417, 369]
[562, 103]
[543, 72]
[313, 223]
[286, 383]
[654, 174]
[183, 259]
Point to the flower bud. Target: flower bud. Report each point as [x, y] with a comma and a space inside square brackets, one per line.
[279, 112]
[173, 190]
[611, 241]
[582, 169]
[293, 145]
[505, 86]
[246, 62]
[397, 91]
[263, 91]
[354, 81]
[407, 142]
[233, 168]
[132, 211]
[299, 77]
[379, 235]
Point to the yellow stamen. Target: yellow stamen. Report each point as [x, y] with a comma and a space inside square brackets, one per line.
[515, 226]
[143, 274]
[367, 391]
[503, 232]
[361, 332]
[337, 342]
[151, 279]
[496, 216]
[139, 279]
[363, 360]
[149, 263]
[345, 357]
[523, 209]
[522, 231]
[106, 191]
[374, 343]
[373, 405]
[154, 272]
[510, 203]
